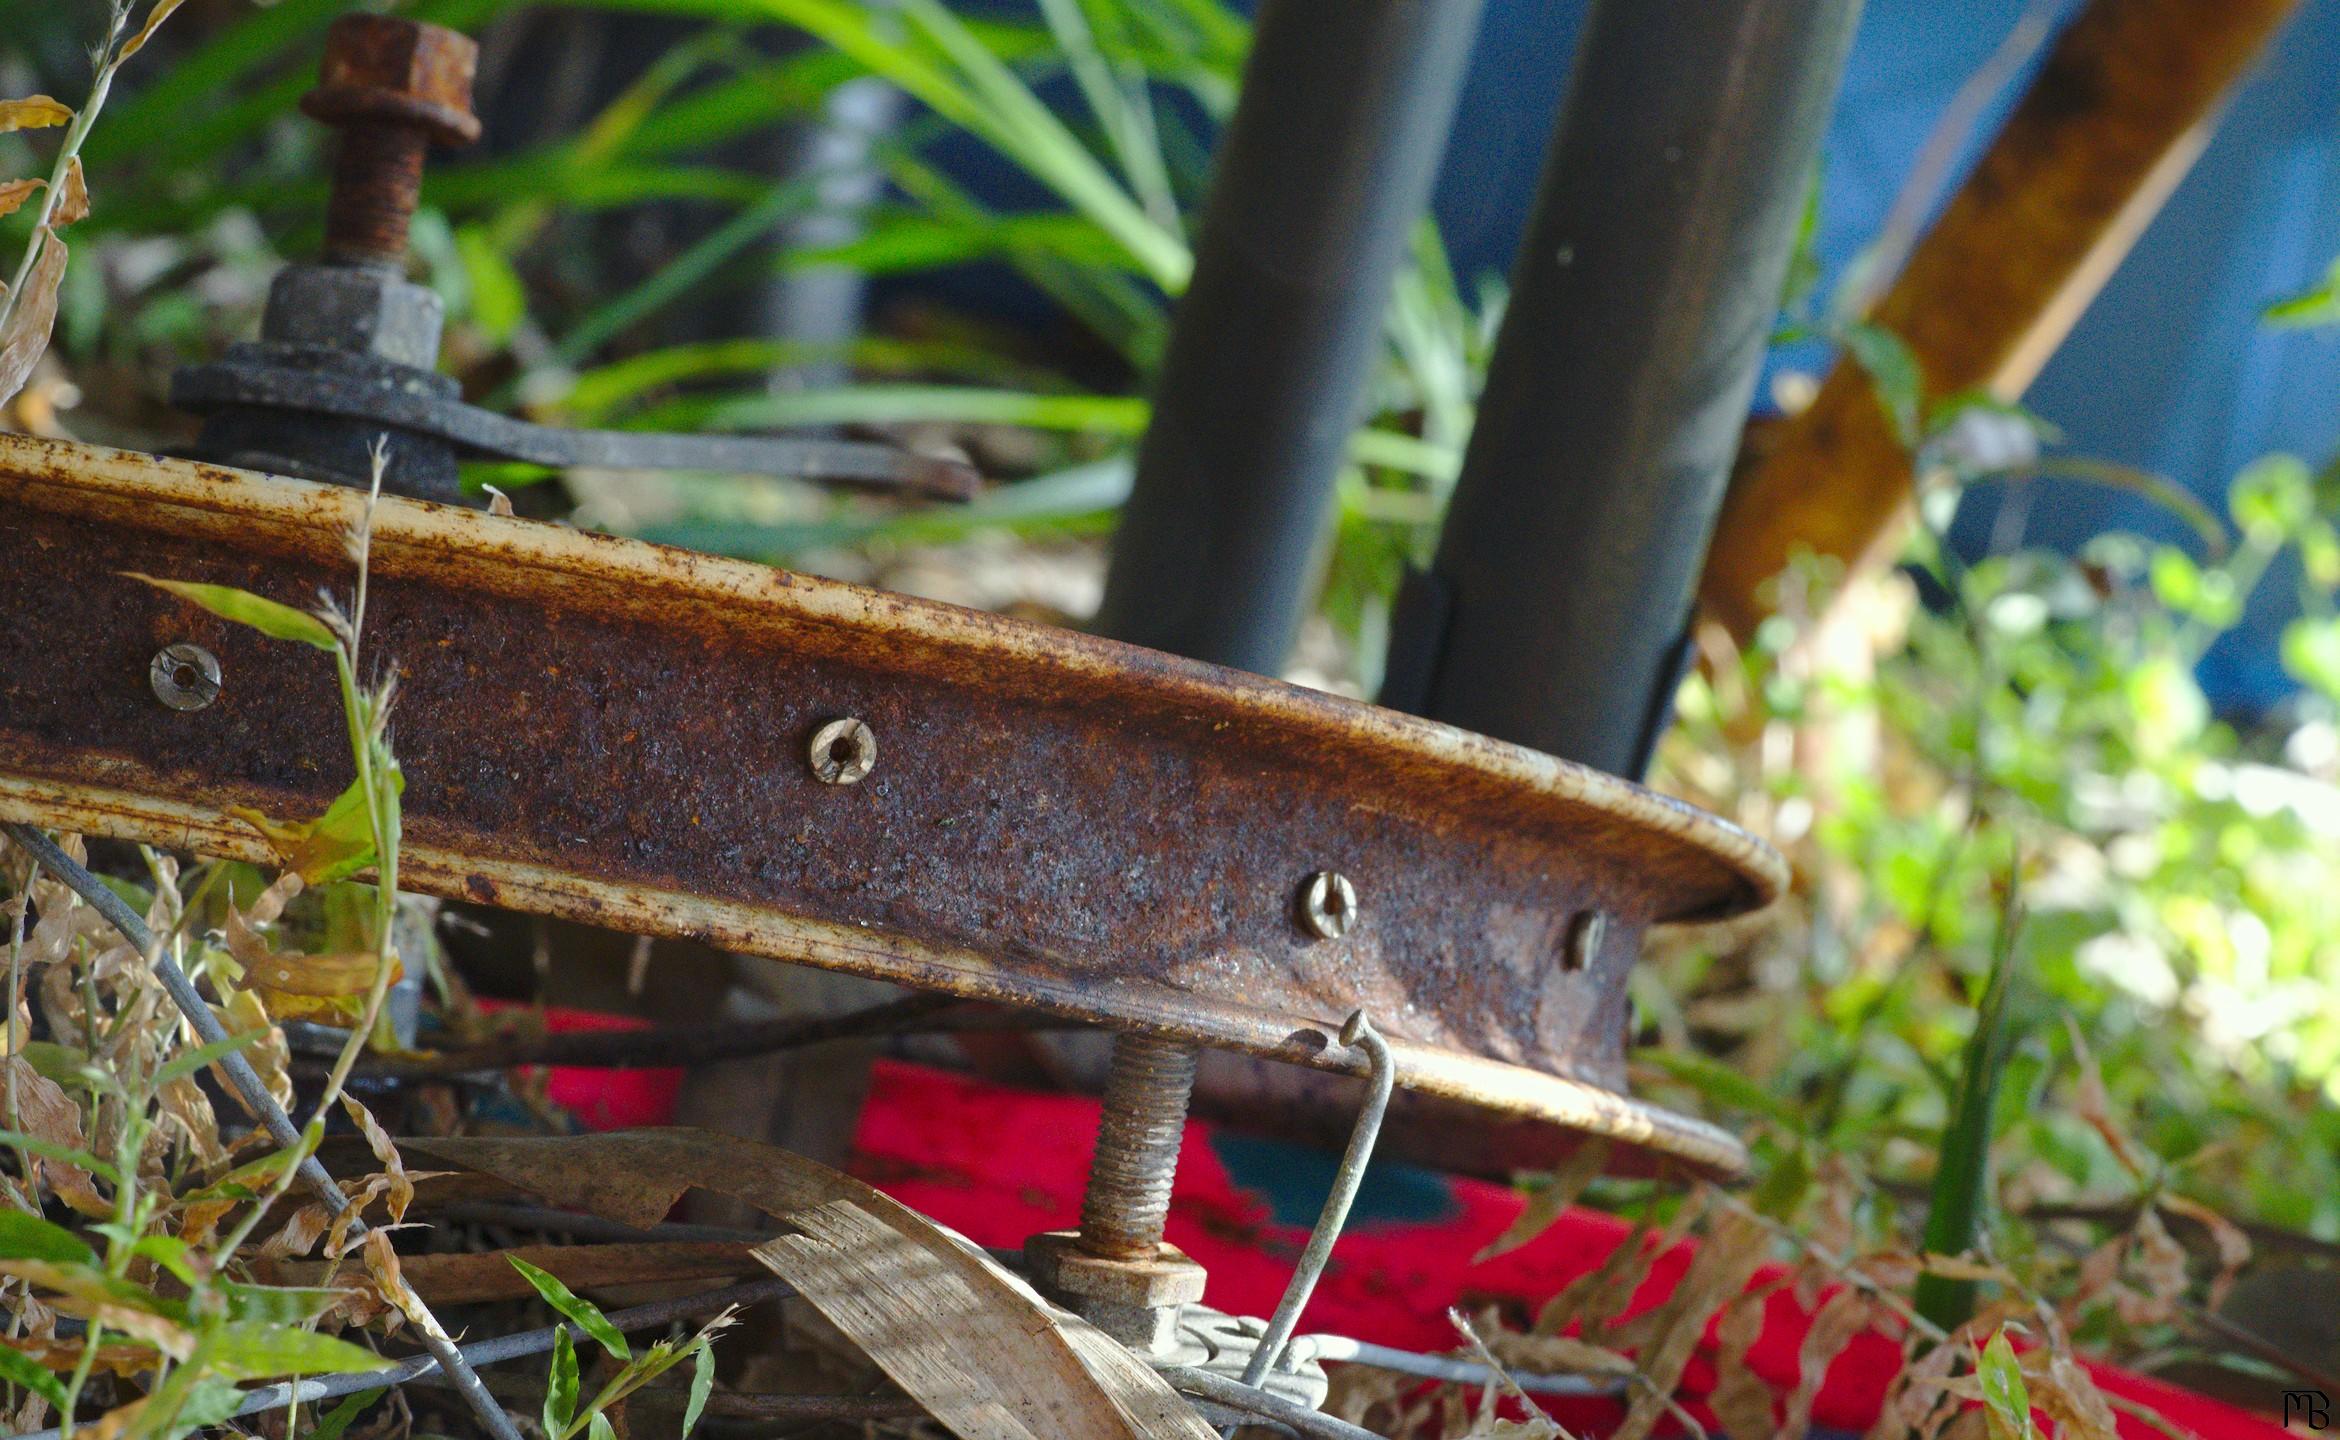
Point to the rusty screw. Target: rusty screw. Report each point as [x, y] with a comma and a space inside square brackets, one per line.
[1128, 1199]
[184, 676]
[843, 752]
[393, 88]
[1328, 905]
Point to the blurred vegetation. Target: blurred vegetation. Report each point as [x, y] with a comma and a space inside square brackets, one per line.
[2001, 769]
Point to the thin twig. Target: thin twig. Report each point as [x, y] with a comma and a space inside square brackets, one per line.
[688, 1045]
[254, 1091]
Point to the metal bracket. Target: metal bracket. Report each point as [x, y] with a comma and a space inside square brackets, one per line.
[301, 382]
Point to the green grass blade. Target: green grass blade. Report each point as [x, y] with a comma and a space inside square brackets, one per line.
[1961, 1187]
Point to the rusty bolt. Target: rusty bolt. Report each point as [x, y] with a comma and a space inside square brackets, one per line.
[1585, 935]
[843, 752]
[392, 87]
[1328, 905]
[1128, 1197]
[184, 676]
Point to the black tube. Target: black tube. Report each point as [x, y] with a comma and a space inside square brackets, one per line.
[1324, 170]
[1555, 612]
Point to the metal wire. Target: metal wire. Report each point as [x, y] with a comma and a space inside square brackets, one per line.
[1236, 1395]
[1357, 1033]
[1340, 1349]
[254, 1092]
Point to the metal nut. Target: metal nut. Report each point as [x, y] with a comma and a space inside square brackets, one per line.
[1165, 1278]
[1328, 905]
[353, 307]
[184, 676]
[843, 752]
[1586, 933]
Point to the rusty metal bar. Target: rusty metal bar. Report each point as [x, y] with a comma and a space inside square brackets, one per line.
[2123, 104]
[622, 734]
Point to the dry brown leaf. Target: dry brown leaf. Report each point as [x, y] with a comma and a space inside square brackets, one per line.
[48, 1113]
[14, 193]
[1741, 1400]
[1554, 1354]
[154, 19]
[39, 112]
[1846, 1314]
[2162, 1269]
[1593, 1299]
[1665, 1337]
[297, 1236]
[401, 1188]
[2233, 1246]
[74, 203]
[1958, 1267]
[26, 335]
[1916, 1400]
[1546, 1204]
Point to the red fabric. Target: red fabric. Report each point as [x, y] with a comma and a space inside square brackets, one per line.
[998, 1164]
[603, 1099]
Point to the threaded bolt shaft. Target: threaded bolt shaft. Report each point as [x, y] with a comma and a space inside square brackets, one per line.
[377, 183]
[1128, 1199]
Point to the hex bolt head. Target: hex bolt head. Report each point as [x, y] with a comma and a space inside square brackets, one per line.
[1328, 905]
[184, 676]
[1586, 933]
[843, 752]
[392, 71]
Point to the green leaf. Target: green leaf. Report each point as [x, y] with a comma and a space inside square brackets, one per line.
[560, 1391]
[18, 1368]
[51, 1061]
[599, 1427]
[211, 1400]
[584, 1312]
[2311, 652]
[335, 845]
[172, 1254]
[2315, 306]
[2272, 498]
[245, 608]
[29, 1237]
[2006, 1398]
[702, 1385]
[252, 1350]
[1722, 1085]
[280, 1304]
[339, 1417]
[211, 1054]
[1893, 372]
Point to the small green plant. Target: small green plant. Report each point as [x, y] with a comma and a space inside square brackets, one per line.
[567, 1411]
